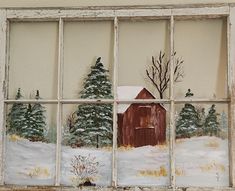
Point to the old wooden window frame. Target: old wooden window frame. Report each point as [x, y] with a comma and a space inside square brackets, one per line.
[115, 14]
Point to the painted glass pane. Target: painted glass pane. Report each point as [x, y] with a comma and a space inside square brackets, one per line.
[143, 149]
[202, 45]
[87, 145]
[33, 58]
[30, 144]
[202, 145]
[144, 58]
[84, 43]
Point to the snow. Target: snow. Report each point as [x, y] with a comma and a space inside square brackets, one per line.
[27, 163]
[200, 161]
[204, 161]
[103, 157]
[127, 93]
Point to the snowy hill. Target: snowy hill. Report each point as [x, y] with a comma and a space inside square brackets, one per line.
[200, 161]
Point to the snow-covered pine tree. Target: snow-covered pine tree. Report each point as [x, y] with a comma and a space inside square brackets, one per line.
[35, 122]
[93, 126]
[211, 126]
[187, 123]
[223, 125]
[16, 116]
[202, 117]
[223, 121]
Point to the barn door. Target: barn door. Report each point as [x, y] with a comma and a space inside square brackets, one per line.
[144, 132]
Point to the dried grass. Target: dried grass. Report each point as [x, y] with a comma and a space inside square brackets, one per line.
[161, 172]
[179, 172]
[125, 148]
[39, 172]
[212, 167]
[212, 144]
[15, 138]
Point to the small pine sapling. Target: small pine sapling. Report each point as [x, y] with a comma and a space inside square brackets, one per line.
[211, 126]
[16, 116]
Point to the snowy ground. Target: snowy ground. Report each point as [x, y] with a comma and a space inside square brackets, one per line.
[29, 163]
[102, 156]
[200, 161]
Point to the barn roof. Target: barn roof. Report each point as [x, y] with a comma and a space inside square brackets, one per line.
[127, 93]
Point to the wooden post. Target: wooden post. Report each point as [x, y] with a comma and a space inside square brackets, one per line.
[59, 105]
[172, 107]
[3, 58]
[115, 81]
[231, 93]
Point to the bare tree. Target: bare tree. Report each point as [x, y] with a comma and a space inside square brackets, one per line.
[85, 168]
[159, 72]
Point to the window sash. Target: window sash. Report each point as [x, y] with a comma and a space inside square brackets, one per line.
[116, 14]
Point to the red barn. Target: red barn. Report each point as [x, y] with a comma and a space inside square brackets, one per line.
[140, 124]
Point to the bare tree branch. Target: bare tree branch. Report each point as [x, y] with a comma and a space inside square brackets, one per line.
[159, 72]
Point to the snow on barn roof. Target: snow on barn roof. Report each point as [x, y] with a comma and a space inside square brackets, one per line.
[127, 92]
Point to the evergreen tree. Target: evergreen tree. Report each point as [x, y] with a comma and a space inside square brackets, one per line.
[211, 126]
[223, 131]
[16, 116]
[223, 121]
[93, 126]
[188, 121]
[35, 121]
[202, 118]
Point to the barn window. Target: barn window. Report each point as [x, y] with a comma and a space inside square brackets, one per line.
[117, 97]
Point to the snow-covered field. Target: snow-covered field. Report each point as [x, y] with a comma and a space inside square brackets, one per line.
[200, 161]
[29, 163]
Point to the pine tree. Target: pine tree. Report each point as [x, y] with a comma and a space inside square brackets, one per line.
[35, 122]
[16, 116]
[93, 126]
[187, 123]
[223, 121]
[202, 117]
[211, 126]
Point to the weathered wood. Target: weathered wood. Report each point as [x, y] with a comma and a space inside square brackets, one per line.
[89, 13]
[202, 11]
[115, 80]
[11, 101]
[122, 13]
[146, 118]
[202, 100]
[3, 44]
[231, 89]
[172, 107]
[59, 106]
[122, 101]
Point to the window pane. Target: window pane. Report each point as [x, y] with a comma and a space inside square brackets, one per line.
[143, 139]
[202, 45]
[138, 42]
[87, 145]
[202, 145]
[33, 59]
[30, 144]
[84, 43]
